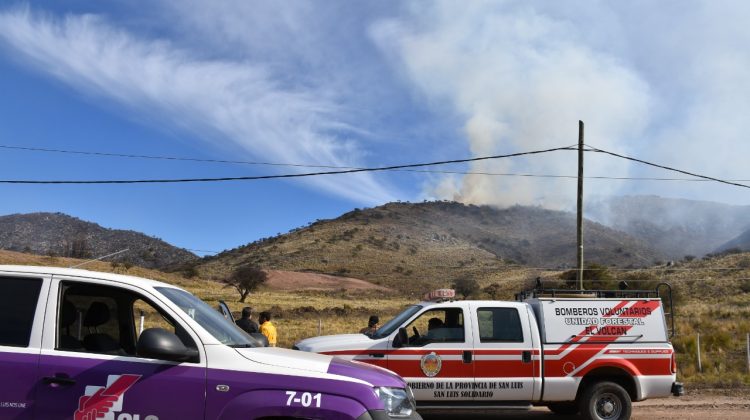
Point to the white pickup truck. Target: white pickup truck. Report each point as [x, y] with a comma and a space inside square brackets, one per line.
[589, 352]
[85, 345]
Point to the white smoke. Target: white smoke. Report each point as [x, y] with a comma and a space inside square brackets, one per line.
[522, 74]
[522, 80]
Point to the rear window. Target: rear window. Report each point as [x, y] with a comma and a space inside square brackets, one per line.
[18, 300]
[499, 325]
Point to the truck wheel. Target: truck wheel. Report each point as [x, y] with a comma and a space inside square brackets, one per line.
[605, 401]
[563, 408]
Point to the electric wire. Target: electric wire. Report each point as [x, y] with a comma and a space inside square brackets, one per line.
[300, 165]
[281, 176]
[656, 165]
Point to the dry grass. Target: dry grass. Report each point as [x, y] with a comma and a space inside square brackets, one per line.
[712, 302]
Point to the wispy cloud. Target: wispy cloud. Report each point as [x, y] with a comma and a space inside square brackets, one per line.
[228, 99]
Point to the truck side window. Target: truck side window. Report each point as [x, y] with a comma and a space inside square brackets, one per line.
[101, 319]
[499, 325]
[444, 325]
[18, 300]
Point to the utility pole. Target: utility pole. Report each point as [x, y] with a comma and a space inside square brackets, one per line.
[579, 227]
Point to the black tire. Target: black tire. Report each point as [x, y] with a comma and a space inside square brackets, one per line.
[563, 408]
[605, 401]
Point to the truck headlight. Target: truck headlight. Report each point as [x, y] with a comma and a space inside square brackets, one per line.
[398, 402]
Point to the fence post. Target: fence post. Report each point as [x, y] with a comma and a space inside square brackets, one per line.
[698, 351]
[748, 352]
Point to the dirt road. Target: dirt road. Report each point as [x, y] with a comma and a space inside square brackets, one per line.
[711, 404]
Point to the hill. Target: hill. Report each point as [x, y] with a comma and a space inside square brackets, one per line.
[62, 235]
[675, 227]
[740, 243]
[412, 246]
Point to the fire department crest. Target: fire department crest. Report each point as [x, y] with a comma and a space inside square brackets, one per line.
[431, 364]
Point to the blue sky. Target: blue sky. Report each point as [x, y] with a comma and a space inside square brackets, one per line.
[345, 84]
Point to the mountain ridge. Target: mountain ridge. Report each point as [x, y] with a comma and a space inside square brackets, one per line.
[64, 235]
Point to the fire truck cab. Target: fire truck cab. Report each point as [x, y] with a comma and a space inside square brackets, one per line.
[591, 352]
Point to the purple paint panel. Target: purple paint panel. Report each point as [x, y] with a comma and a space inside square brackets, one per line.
[284, 395]
[18, 375]
[92, 388]
[366, 372]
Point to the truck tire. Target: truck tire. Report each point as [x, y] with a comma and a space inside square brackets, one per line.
[563, 408]
[605, 401]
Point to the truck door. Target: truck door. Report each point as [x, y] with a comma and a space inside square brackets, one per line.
[89, 368]
[434, 354]
[21, 316]
[505, 361]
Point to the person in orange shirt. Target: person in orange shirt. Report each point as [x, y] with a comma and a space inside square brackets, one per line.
[267, 328]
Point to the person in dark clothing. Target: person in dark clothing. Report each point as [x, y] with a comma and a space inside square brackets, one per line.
[246, 322]
[372, 326]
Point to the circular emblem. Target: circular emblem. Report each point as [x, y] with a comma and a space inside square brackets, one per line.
[568, 367]
[431, 364]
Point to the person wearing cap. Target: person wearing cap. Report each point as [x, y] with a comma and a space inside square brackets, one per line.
[246, 322]
[372, 325]
[268, 329]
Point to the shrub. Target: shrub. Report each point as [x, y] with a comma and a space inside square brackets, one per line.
[466, 286]
[595, 276]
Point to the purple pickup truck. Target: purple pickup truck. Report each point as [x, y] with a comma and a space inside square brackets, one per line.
[88, 345]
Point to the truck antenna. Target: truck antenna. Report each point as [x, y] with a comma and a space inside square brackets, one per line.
[100, 258]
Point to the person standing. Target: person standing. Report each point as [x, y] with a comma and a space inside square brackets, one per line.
[267, 328]
[246, 322]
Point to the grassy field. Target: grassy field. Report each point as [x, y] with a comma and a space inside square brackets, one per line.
[712, 299]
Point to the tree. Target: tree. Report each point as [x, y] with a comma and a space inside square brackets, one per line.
[78, 248]
[246, 279]
[465, 286]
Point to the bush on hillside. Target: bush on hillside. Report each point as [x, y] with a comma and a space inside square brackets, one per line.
[465, 286]
[595, 276]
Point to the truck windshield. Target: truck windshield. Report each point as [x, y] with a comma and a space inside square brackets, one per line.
[208, 318]
[396, 322]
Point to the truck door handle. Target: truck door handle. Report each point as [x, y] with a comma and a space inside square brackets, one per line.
[526, 356]
[467, 356]
[58, 379]
[378, 355]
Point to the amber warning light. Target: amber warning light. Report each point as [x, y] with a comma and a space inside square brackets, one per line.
[440, 294]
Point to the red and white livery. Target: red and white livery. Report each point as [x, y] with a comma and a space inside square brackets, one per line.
[575, 353]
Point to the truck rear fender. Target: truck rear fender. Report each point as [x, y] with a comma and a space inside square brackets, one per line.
[621, 374]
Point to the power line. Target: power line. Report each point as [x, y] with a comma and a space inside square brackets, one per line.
[203, 251]
[299, 175]
[656, 165]
[173, 158]
[300, 165]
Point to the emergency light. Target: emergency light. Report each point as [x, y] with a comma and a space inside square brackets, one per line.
[440, 294]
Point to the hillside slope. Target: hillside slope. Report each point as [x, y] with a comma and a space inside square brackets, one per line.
[741, 242]
[63, 235]
[675, 227]
[412, 246]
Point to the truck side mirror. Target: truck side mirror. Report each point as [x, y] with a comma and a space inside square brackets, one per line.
[401, 339]
[261, 340]
[158, 343]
